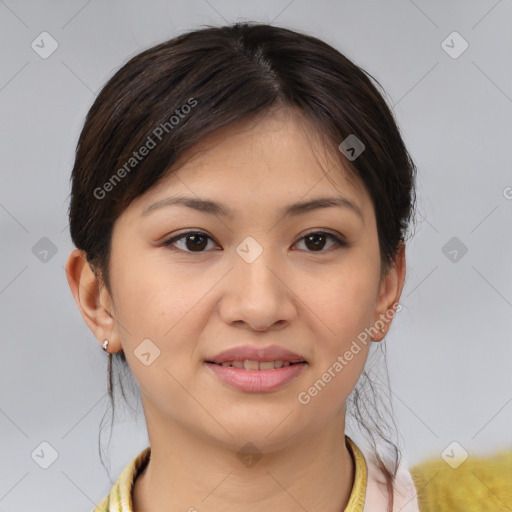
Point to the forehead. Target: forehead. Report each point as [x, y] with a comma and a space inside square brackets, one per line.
[279, 156]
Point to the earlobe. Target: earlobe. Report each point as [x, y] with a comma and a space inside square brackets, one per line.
[89, 297]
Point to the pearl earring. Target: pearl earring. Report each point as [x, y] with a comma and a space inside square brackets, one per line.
[105, 345]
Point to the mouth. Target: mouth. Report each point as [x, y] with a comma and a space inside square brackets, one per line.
[255, 365]
[252, 376]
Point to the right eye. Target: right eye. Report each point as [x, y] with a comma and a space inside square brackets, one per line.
[191, 241]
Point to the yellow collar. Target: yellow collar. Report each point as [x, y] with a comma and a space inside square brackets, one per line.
[119, 498]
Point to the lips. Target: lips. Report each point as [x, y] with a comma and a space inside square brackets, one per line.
[248, 364]
[249, 355]
[255, 369]
[253, 381]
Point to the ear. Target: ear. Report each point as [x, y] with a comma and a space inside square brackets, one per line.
[390, 291]
[93, 299]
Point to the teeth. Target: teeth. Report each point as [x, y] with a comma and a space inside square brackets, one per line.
[249, 364]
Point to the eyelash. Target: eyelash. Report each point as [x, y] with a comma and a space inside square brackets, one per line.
[338, 241]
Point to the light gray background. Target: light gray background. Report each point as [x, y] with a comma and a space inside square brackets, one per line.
[450, 347]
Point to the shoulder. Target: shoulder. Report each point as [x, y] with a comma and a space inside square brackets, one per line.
[120, 497]
[405, 497]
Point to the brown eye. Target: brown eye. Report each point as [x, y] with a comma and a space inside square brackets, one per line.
[317, 240]
[197, 242]
[194, 241]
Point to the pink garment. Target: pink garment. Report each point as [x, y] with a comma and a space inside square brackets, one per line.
[376, 500]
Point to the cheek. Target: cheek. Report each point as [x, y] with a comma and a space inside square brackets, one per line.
[344, 309]
[152, 298]
[343, 302]
[343, 306]
[159, 303]
[158, 315]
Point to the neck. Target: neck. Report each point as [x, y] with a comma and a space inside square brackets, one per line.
[188, 471]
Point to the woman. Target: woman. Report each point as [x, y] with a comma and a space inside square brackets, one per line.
[240, 202]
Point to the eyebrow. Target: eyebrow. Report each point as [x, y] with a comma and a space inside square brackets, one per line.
[292, 210]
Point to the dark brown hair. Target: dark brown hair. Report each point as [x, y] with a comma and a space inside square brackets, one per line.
[188, 87]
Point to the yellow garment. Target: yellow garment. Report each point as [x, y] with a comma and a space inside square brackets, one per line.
[479, 484]
[119, 498]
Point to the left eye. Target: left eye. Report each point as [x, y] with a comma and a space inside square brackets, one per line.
[196, 241]
[317, 239]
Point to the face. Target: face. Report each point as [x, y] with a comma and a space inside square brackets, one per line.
[307, 281]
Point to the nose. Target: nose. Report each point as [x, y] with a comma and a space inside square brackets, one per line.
[257, 295]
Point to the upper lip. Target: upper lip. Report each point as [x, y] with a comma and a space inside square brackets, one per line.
[256, 353]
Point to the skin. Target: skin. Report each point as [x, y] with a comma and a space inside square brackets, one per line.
[193, 305]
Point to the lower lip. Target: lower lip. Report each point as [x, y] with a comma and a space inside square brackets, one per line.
[257, 381]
